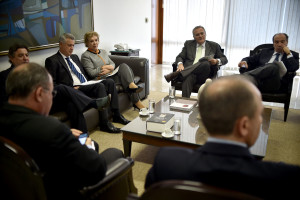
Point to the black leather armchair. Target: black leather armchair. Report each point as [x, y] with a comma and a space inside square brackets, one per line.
[283, 95]
[180, 189]
[178, 84]
[22, 179]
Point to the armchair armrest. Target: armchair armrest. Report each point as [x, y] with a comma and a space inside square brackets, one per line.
[117, 183]
[139, 66]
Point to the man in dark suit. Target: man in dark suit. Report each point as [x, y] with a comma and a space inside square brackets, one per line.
[17, 55]
[268, 68]
[196, 62]
[67, 165]
[66, 99]
[225, 160]
[66, 69]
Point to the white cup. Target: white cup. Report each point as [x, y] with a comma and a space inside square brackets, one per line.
[177, 126]
[151, 105]
[172, 92]
[144, 111]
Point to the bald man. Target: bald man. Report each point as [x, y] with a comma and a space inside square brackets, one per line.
[225, 160]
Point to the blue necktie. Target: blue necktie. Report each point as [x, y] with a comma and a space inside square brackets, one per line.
[79, 75]
[277, 57]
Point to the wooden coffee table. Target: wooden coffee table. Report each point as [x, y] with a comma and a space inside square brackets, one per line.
[193, 133]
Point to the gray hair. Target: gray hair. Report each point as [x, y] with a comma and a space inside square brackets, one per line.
[197, 28]
[66, 36]
[21, 82]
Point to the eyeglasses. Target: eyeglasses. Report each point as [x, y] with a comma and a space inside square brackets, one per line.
[54, 92]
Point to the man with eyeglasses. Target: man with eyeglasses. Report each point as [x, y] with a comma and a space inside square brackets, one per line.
[74, 103]
[197, 61]
[68, 166]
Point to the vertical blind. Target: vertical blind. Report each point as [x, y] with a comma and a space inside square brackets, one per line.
[237, 25]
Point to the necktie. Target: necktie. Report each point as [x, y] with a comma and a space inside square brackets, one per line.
[277, 57]
[198, 54]
[79, 75]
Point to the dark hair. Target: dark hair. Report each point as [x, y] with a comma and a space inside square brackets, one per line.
[286, 36]
[197, 28]
[220, 105]
[14, 48]
[64, 36]
[21, 82]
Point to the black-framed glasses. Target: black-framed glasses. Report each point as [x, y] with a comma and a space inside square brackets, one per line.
[54, 92]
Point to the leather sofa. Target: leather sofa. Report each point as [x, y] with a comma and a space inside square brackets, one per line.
[140, 68]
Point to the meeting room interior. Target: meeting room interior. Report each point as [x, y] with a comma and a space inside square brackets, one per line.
[152, 38]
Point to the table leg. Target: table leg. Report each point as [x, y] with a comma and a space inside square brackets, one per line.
[127, 147]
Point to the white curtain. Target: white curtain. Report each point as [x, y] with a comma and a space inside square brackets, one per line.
[237, 25]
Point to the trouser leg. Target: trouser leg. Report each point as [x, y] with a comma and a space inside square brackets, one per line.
[111, 154]
[199, 74]
[267, 77]
[187, 85]
[112, 90]
[76, 117]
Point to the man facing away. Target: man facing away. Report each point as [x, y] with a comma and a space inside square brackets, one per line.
[268, 68]
[66, 69]
[67, 164]
[197, 61]
[231, 110]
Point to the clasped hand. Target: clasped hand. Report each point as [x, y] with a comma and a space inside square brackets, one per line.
[106, 69]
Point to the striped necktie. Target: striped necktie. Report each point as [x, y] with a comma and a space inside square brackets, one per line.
[74, 70]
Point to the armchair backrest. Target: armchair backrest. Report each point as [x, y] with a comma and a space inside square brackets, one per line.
[180, 189]
[20, 176]
[117, 183]
[258, 49]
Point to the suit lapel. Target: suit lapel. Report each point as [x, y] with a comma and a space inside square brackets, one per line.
[207, 49]
[63, 63]
[193, 48]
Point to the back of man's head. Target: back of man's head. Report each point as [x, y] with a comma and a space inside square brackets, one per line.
[25, 79]
[224, 101]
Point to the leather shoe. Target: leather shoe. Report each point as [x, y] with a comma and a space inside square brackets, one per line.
[109, 127]
[102, 103]
[171, 76]
[120, 119]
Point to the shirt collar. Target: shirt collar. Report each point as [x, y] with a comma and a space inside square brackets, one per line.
[223, 141]
[63, 55]
[202, 45]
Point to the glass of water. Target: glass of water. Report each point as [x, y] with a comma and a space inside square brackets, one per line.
[172, 92]
[177, 126]
[151, 107]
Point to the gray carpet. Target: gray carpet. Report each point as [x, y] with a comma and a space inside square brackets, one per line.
[283, 142]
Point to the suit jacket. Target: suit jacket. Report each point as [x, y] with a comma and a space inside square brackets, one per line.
[57, 67]
[67, 164]
[188, 53]
[225, 165]
[260, 59]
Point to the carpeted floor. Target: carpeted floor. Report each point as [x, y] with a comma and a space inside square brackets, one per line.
[283, 142]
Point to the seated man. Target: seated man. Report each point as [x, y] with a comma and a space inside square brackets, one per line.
[73, 102]
[67, 164]
[225, 160]
[196, 61]
[17, 55]
[268, 68]
[66, 69]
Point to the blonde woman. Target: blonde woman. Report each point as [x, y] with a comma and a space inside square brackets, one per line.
[98, 65]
